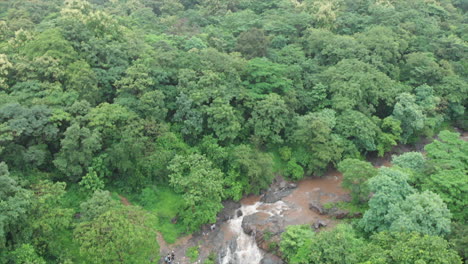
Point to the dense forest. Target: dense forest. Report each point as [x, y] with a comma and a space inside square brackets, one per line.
[179, 105]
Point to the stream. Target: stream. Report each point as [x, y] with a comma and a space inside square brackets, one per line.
[244, 229]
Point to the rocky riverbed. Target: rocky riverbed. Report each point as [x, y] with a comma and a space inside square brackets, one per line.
[247, 231]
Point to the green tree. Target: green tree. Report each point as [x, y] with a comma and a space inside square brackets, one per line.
[355, 176]
[253, 167]
[358, 128]
[49, 219]
[425, 213]
[78, 148]
[223, 119]
[15, 205]
[314, 134]
[99, 203]
[357, 85]
[269, 118]
[265, 77]
[340, 245]
[26, 254]
[396, 248]
[81, 78]
[410, 114]
[122, 235]
[389, 188]
[294, 238]
[410, 160]
[252, 43]
[447, 163]
[421, 68]
[201, 185]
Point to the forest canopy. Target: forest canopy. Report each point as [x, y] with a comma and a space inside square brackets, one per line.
[182, 104]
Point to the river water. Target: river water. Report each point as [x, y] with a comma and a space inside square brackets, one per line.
[294, 209]
[246, 250]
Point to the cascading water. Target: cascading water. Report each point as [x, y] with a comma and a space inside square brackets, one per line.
[247, 250]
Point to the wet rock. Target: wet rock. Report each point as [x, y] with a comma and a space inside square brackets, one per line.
[266, 229]
[271, 259]
[239, 213]
[338, 213]
[319, 223]
[229, 210]
[278, 191]
[274, 196]
[317, 207]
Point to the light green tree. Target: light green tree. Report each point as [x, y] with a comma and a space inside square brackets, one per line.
[200, 184]
[124, 235]
[356, 173]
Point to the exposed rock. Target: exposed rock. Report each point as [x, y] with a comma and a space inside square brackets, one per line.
[319, 223]
[229, 210]
[338, 213]
[278, 191]
[317, 207]
[274, 196]
[266, 229]
[239, 213]
[271, 259]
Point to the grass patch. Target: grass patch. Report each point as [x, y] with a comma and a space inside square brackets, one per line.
[192, 253]
[164, 203]
[74, 197]
[351, 207]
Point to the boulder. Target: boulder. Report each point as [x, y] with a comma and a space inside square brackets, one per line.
[319, 223]
[239, 213]
[260, 224]
[271, 259]
[338, 213]
[273, 196]
[229, 210]
[317, 207]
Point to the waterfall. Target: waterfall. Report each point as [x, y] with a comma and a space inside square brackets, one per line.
[247, 250]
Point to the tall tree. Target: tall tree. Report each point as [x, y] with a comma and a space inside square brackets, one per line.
[355, 176]
[122, 235]
[201, 185]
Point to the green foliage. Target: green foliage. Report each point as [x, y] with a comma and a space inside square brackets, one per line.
[355, 176]
[294, 238]
[253, 167]
[314, 133]
[390, 187]
[200, 184]
[410, 114]
[423, 212]
[99, 203]
[269, 118]
[25, 254]
[394, 247]
[193, 253]
[15, 204]
[120, 236]
[78, 147]
[252, 43]
[447, 162]
[91, 182]
[410, 160]
[194, 97]
[340, 245]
